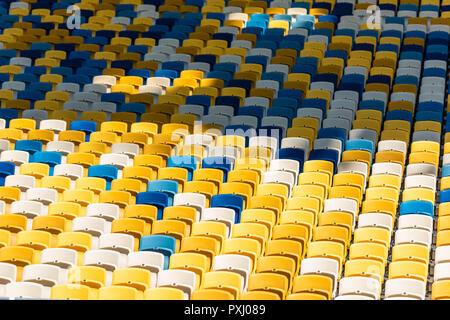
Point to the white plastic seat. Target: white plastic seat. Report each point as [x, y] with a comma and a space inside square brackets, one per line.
[374, 219]
[251, 121]
[72, 171]
[365, 134]
[311, 113]
[68, 87]
[179, 279]
[404, 288]
[120, 161]
[347, 95]
[4, 144]
[415, 236]
[106, 259]
[324, 266]
[63, 147]
[8, 273]
[341, 114]
[92, 225]
[426, 136]
[442, 271]
[61, 257]
[121, 243]
[257, 101]
[366, 286]
[353, 167]
[17, 157]
[237, 263]
[129, 149]
[421, 169]
[225, 151]
[416, 221]
[356, 70]
[43, 195]
[105, 211]
[276, 121]
[21, 181]
[289, 165]
[265, 142]
[195, 200]
[442, 254]
[149, 260]
[392, 145]
[375, 95]
[224, 215]
[46, 274]
[28, 290]
[387, 168]
[296, 142]
[353, 297]
[159, 81]
[78, 106]
[194, 109]
[52, 124]
[96, 88]
[260, 52]
[281, 177]
[420, 181]
[329, 143]
[30, 209]
[341, 205]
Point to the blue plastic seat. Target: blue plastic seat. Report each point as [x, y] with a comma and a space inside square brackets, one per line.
[429, 116]
[262, 60]
[285, 102]
[186, 162]
[334, 133]
[360, 144]
[6, 169]
[432, 106]
[446, 170]
[52, 158]
[230, 201]
[291, 93]
[104, 171]
[285, 112]
[169, 187]
[315, 103]
[326, 155]
[372, 105]
[9, 114]
[165, 245]
[30, 146]
[231, 101]
[416, 207]
[293, 154]
[154, 198]
[83, 125]
[277, 76]
[399, 115]
[222, 163]
[228, 67]
[115, 97]
[134, 107]
[444, 196]
[255, 111]
[241, 83]
[199, 99]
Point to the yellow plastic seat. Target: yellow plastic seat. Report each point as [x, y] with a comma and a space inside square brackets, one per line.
[223, 280]
[163, 293]
[313, 283]
[70, 291]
